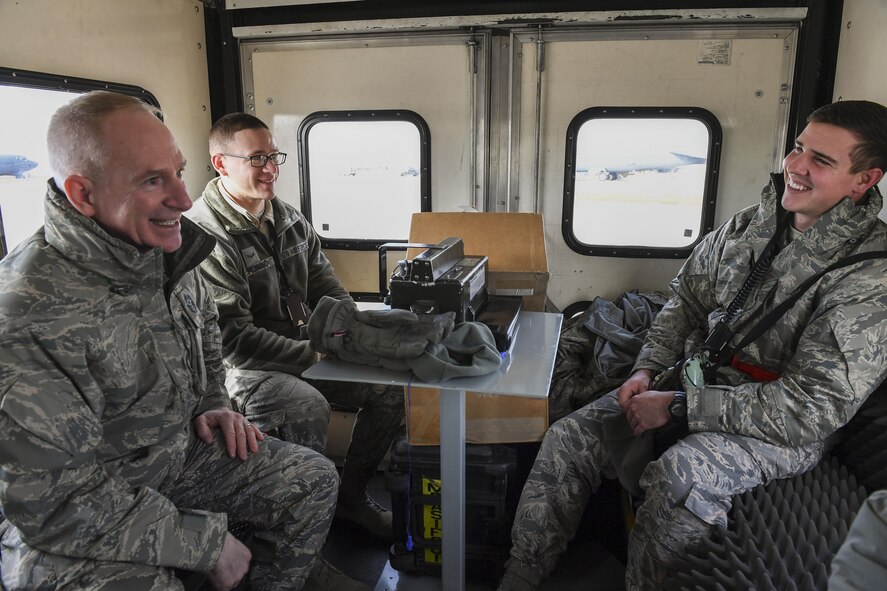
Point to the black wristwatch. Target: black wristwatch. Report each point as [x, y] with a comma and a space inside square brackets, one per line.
[677, 408]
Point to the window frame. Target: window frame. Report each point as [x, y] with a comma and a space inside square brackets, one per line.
[60, 82]
[709, 195]
[362, 115]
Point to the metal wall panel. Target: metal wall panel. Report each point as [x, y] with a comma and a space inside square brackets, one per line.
[519, 114]
[289, 80]
[437, 75]
[860, 56]
[651, 67]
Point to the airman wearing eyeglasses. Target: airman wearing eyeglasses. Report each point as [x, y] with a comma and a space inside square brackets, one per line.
[268, 272]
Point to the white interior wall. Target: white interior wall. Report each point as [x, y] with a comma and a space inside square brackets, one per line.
[158, 45]
[744, 95]
[863, 45]
[860, 70]
[432, 80]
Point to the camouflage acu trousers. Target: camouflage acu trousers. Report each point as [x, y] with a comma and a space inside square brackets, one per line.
[286, 492]
[299, 411]
[688, 490]
[281, 404]
[377, 423]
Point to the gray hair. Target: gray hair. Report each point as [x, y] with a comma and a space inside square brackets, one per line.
[74, 138]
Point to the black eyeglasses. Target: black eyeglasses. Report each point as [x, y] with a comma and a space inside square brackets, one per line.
[260, 160]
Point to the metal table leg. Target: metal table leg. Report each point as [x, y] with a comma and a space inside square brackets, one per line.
[452, 472]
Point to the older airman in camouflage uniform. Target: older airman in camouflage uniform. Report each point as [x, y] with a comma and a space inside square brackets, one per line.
[120, 458]
[268, 272]
[828, 353]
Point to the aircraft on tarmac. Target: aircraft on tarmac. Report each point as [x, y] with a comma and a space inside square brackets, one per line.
[17, 166]
[666, 164]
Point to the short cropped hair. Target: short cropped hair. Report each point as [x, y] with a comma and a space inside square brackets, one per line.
[224, 129]
[868, 122]
[74, 138]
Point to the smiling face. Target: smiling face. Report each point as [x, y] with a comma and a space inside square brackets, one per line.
[140, 196]
[250, 186]
[818, 173]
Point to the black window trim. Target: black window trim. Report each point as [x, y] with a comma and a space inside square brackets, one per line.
[59, 82]
[363, 115]
[704, 116]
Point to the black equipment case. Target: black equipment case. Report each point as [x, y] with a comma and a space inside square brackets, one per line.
[491, 493]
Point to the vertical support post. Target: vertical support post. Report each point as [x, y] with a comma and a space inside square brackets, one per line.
[537, 163]
[472, 127]
[452, 476]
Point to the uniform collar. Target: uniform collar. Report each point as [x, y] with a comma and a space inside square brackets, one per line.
[841, 226]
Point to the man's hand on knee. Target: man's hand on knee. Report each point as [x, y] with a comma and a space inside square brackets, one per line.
[232, 565]
[241, 436]
[638, 382]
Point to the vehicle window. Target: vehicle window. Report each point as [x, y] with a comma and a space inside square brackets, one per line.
[363, 174]
[27, 101]
[640, 181]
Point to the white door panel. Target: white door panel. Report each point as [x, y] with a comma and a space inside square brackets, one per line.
[285, 80]
[747, 96]
[292, 80]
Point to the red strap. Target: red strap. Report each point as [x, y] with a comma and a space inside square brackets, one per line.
[758, 374]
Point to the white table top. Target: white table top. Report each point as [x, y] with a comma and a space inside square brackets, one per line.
[525, 371]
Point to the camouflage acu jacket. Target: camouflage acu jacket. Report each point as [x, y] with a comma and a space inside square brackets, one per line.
[103, 366]
[249, 285]
[830, 348]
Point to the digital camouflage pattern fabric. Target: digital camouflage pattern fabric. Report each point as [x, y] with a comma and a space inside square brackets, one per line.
[830, 347]
[103, 366]
[830, 350]
[265, 353]
[257, 332]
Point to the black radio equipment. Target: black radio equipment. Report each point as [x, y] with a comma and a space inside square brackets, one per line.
[444, 279]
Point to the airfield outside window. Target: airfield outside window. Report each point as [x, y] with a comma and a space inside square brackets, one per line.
[363, 175]
[640, 181]
[24, 162]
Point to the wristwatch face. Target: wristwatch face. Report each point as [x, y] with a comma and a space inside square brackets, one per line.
[677, 408]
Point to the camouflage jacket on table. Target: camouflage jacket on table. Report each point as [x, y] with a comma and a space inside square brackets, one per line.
[256, 329]
[101, 374]
[830, 348]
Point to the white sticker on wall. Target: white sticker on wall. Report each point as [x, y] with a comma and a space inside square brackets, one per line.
[714, 51]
